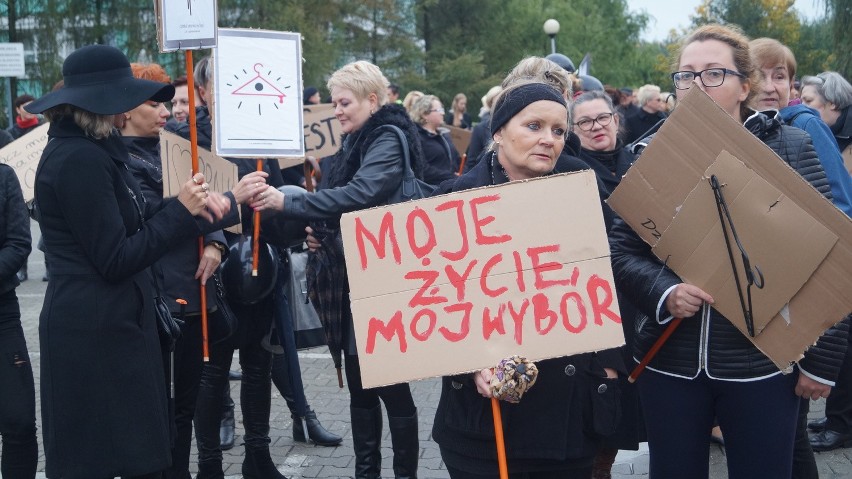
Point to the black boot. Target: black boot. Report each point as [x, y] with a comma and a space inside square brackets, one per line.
[318, 434]
[210, 470]
[367, 441]
[227, 426]
[406, 446]
[258, 465]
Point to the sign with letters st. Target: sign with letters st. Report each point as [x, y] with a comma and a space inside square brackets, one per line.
[455, 283]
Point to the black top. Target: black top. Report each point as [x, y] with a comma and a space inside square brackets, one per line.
[15, 243]
[441, 157]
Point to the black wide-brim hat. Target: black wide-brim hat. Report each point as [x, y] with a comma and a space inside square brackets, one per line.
[98, 79]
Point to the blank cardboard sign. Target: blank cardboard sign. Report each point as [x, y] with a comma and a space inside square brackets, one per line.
[658, 184]
[455, 283]
[770, 227]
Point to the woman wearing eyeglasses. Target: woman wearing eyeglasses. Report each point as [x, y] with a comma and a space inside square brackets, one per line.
[597, 124]
[442, 158]
[708, 368]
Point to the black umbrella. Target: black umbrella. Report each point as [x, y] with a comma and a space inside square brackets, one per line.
[328, 288]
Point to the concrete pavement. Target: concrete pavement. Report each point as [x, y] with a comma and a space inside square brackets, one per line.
[297, 460]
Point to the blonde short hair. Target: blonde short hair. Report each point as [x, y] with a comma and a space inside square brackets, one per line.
[362, 78]
[421, 108]
[540, 70]
[646, 93]
[411, 98]
[92, 124]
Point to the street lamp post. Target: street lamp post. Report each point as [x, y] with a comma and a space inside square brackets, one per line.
[551, 28]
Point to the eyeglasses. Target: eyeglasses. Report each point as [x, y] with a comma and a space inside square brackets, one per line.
[711, 77]
[439, 110]
[586, 124]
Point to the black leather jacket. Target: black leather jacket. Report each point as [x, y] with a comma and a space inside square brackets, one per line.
[15, 242]
[711, 342]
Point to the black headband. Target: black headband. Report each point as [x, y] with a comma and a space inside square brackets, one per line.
[518, 98]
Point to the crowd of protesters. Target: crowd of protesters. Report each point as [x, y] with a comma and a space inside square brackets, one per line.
[121, 398]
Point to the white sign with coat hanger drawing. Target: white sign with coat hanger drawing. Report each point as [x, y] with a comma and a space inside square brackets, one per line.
[257, 100]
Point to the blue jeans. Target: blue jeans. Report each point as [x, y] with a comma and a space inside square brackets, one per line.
[758, 419]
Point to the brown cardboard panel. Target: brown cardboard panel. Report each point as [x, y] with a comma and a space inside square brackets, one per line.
[176, 157]
[783, 241]
[536, 254]
[460, 138]
[696, 133]
[431, 341]
[551, 211]
[23, 156]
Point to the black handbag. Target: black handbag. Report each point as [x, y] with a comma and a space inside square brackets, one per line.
[226, 324]
[307, 326]
[167, 326]
[411, 187]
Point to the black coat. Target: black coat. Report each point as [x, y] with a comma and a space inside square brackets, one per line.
[174, 273]
[480, 138]
[103, 393]
[559, 422]
[714, 343]
[640, 122]
[440, 156]
[609, 166]
[465, 122]
[15, 242]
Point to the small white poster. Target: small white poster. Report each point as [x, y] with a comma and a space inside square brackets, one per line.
[186, 24]
[257, 100]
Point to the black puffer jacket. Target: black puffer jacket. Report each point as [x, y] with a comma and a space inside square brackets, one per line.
[711, 342]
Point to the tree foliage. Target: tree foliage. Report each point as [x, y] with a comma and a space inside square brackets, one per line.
[438, 46]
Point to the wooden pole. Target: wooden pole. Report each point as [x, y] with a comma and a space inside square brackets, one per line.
[654, 349]
[255, 246]
[193, 141]
[498, 435]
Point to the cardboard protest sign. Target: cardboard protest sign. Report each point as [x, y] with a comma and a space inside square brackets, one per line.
[176, 155]
[257, 98]
[185, 25]
[460, 137]
[322, 133]
[322, 130]
[768, 224]
[455, 283]
[23, 156]
[658, 185]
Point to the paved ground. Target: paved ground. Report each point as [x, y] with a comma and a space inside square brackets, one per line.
[297, 460]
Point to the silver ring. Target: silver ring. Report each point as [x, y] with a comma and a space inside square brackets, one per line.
[205, 187]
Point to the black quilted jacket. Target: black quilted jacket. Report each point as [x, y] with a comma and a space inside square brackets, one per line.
[710, 341]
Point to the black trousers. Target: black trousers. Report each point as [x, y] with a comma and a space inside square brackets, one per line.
[838, 406]
[256, 386]
[17, 406]
[396, 397]
[578, 473]
[188, 360]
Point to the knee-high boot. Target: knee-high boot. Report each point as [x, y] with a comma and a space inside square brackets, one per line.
[406, 446]
[367, 441]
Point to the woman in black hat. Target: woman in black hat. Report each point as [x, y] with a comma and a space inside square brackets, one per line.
[104, 409]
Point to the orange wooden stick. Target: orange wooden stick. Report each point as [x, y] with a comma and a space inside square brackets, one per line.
[498, 435]
[193, 142]
[309, 176]
[461, 164]
[654, 349]
[255, 246]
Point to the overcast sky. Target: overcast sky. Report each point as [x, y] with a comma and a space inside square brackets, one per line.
[666, 15]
